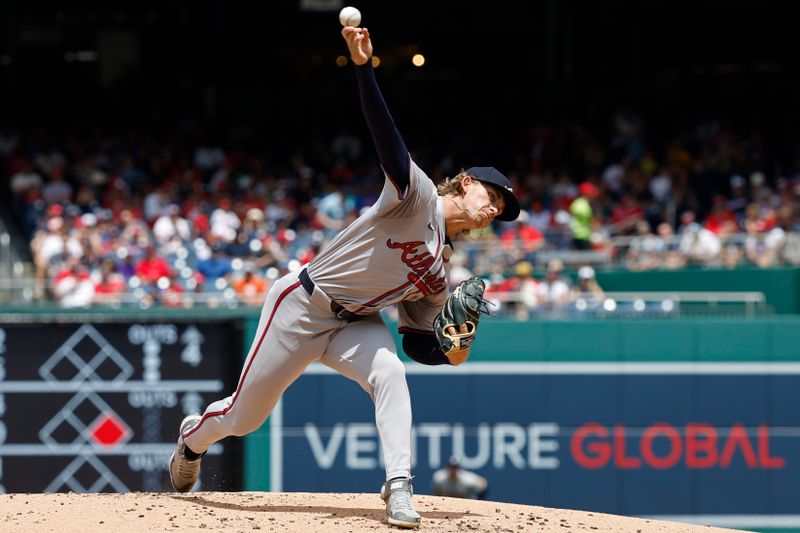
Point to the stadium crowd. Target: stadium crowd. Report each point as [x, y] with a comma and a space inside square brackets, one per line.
[173, 221]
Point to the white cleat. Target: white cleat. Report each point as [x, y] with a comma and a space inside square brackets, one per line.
[183, 473]
[399, 508]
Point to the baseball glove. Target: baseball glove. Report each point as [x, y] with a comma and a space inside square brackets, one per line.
[464, 306]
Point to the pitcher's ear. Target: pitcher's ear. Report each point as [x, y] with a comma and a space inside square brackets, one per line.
[466, 182]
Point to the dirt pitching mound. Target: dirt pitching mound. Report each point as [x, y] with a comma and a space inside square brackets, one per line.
[295, 512]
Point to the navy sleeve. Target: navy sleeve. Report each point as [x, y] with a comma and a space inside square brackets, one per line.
[424, 349]
[392, 151]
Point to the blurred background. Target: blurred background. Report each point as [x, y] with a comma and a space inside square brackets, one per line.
[162, 164]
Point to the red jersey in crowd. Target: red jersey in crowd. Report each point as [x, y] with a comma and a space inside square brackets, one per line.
[152, 267]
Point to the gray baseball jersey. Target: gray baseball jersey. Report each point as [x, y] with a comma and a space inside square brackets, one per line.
[393, 253]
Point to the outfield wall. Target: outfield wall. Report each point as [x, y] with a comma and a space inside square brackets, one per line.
[687, 419]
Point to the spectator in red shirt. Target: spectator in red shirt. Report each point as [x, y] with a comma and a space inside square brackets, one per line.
[151, 267]
[626, 214]
[521, 236]
[516, 296]
[720, 216]
[110, 285]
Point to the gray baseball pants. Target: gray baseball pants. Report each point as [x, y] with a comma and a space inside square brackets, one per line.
[296, 329]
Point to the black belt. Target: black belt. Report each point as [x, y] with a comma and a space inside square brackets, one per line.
[336, 309]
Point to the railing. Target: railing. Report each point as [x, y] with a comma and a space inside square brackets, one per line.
[650, 304]
[521, 305]
[27, 292]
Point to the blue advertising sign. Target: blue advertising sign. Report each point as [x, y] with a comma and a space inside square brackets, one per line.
[653, 439]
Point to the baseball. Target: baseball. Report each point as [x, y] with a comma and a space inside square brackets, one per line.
[350, 16]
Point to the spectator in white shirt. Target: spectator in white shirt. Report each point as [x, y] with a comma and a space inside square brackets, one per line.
[170, 225]
[224, 222]
[554, 290]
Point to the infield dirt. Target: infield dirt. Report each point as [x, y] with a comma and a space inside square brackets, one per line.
[296, 513]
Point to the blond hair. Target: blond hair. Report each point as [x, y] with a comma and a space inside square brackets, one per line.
[452, 186]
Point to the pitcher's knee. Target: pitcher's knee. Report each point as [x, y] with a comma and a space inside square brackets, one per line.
[390, 370]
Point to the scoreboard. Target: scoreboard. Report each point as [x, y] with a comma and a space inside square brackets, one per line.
[95, 407]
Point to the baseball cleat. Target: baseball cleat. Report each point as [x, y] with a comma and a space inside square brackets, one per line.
[183, 473]
[399, 508]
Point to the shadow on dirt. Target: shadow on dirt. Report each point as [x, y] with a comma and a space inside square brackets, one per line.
[375, 514]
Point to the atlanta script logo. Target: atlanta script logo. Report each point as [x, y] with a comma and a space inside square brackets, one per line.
[420, 261]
